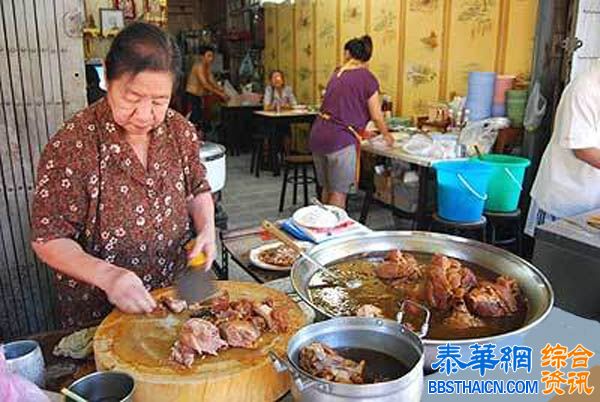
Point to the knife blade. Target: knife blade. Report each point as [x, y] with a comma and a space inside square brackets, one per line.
[196, 284]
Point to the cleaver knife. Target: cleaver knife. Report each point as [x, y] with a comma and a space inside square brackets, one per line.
[196, 284]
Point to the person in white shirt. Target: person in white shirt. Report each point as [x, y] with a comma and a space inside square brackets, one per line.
[568, 180]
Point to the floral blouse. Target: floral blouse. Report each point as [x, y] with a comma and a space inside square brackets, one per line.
[93, 188]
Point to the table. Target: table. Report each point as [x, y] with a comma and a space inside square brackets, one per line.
[236, 121]
[423, 165]
[559, 327]
[62, 371]
[570, 258]
[274, 122]
[237, 244]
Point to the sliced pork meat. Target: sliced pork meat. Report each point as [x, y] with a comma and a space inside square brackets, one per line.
[201, 336]
[240, 334]
[280, 318]
[240, 323]
[259, 323]
[459, 277]
[494, 299]
[197, 337]
[220, 303]
[243, 307]
[437, 290]
[322, 361]
[369, 310]
[446, 278]
[398, 265]
[174, 305]
[461, 317]
[182, 354]
[275, 318]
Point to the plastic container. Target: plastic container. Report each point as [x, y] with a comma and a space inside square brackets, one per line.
[503, 84]
[504, 189]
[480, 94]
[516, 102]
[462, 189]
[498, 110]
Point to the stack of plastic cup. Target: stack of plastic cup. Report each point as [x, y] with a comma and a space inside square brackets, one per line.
[516, 101]
[480, 94]
[503, 84]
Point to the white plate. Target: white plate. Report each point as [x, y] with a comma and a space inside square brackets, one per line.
[317, 218]
[255, 252]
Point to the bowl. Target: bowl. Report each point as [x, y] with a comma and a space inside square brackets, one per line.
[105, 386]
[25, 358]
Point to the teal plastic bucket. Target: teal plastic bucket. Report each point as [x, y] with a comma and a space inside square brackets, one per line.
[462, 189]
[506, 182]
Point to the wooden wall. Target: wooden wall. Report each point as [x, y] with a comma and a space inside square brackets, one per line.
[41, 83]
[423, 49]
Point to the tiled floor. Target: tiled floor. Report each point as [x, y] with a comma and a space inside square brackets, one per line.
[248, 200]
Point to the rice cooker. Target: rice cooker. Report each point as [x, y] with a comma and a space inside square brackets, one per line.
[212, 156]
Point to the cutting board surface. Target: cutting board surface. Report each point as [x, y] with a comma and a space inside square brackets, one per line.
[140, 345]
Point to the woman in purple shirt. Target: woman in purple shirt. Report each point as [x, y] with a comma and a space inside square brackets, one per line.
[351, 100]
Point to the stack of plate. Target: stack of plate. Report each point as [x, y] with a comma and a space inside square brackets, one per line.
[315, 217]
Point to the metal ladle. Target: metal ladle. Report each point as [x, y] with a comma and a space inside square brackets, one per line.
[72, 395]
[285, 239]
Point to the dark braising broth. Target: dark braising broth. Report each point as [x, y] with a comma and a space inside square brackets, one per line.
[379, 367]
[334, 297]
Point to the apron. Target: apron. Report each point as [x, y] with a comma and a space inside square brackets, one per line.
[358, 137]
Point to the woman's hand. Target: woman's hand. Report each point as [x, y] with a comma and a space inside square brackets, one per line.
[205, 243]
[389, 139]
[126, 291]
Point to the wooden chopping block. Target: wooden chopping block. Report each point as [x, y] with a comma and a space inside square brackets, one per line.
[140, 345]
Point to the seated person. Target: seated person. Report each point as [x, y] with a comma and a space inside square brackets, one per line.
[277, 93]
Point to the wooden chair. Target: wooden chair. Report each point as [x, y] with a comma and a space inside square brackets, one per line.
[298, 160]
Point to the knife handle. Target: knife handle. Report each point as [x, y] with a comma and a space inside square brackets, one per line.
[281, 236]
[199, 260]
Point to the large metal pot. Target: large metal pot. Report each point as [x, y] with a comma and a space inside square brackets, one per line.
[533, 283]
[381, 335]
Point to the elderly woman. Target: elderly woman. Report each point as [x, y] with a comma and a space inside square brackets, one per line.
[121, 188]
[351, 100]
[277, 93]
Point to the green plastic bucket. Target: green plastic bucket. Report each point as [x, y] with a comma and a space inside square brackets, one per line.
[506, 183]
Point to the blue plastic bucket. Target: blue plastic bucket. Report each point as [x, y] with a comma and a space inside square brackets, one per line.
[462, 189]
[506, 182]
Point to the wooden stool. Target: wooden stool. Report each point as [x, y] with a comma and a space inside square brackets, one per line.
[509, 222]
[256, 160]
[296, 162]
[460, 228]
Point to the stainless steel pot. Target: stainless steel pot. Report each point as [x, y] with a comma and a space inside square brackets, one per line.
[381, 335]
[532, 282]
[104, 386]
